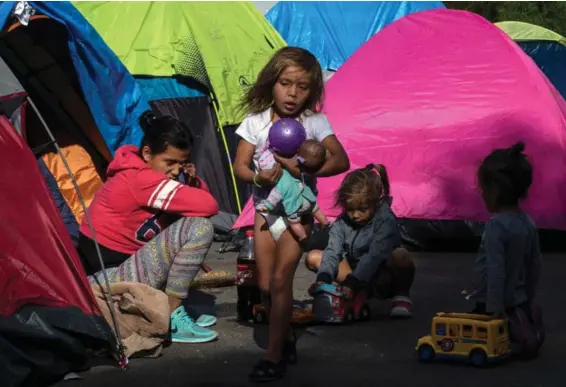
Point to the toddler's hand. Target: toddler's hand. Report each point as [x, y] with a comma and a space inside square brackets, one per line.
[347, 293]
[312, 288]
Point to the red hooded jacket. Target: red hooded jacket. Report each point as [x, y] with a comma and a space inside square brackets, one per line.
[136, 203]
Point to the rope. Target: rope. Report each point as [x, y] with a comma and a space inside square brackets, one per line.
[106, 291]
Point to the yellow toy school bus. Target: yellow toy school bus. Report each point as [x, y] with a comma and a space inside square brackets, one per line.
[478, 339]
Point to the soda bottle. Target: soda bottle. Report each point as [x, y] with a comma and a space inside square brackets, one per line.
[246, 279]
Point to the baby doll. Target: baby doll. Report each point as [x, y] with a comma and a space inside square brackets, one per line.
[296, 197]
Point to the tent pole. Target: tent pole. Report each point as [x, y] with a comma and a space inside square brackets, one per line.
[107, 293]
[232, 175]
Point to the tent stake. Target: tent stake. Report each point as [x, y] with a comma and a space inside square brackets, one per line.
[107, 292]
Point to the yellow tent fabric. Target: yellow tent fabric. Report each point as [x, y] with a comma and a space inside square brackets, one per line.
[223, 45]
[525, 31]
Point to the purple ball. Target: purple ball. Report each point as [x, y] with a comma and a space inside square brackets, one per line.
[286, 136]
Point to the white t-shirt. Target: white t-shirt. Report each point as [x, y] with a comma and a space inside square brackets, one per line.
[255, 129]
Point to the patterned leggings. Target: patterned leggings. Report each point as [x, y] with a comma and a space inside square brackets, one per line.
[170, 261]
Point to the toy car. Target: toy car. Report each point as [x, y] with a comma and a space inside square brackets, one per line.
[478, 339]
[329, 306]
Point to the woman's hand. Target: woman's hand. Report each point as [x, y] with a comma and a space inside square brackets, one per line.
[190, 172]
[269, 176]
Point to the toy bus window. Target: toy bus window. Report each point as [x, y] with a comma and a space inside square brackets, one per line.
[482, 333]
[467, 331]
[440, 329]
[501, 330]
[454, 330]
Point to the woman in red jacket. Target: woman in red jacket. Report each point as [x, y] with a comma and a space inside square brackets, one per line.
[150, 227]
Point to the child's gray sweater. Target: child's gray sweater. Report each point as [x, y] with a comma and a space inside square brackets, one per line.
[365, 247]
[508, 264]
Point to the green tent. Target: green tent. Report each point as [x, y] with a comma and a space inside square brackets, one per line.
[520, 31]
[194, 61]
[545, 47]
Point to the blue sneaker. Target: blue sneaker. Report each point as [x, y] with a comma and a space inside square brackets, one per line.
[206, 320]
[185, 330]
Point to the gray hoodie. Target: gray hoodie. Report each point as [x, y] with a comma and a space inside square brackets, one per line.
[364, 247]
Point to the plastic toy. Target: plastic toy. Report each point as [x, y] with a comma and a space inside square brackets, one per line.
[329, 306]
[478, 339]
[286, 136]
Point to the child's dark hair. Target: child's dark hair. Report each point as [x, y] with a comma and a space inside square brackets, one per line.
[259, 97]
[364, 187]
[507, 173]
[164, 131]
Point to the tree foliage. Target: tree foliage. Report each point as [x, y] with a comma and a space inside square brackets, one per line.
[548, 14]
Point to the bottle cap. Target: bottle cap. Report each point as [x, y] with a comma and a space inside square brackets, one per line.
[250, 233]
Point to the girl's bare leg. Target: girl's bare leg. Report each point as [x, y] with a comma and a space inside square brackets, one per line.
[315, 258]
[288, 255]
[264, 256]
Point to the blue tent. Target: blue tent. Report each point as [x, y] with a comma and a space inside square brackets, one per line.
[545, 47]
[334, 30]
[113, 96]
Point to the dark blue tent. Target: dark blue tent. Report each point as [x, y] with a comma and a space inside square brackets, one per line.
[334, 30]
[111, 93]
[545, 47]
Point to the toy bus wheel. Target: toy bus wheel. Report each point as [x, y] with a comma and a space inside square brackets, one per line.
[426, 353]
[478, 357]
[447, 345]
[348, 316]
[260, 317]
[365, 313]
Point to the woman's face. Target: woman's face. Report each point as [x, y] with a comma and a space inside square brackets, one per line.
[170, 162]
[291, 91]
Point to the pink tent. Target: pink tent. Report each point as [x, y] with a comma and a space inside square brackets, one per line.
[431, 95]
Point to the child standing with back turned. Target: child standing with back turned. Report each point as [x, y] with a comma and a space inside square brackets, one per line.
[289, 86]
[508, 265]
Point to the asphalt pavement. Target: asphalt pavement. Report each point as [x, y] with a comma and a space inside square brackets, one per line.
[379, 352]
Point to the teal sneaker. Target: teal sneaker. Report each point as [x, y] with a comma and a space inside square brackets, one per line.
[185, 330]
[206, 320]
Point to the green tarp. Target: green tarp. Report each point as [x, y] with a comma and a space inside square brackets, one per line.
[222, 45]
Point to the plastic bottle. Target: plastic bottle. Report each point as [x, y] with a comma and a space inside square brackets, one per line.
[246, 279]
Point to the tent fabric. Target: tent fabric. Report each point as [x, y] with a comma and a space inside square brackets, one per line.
[464, 88]
[45, 293]
[84, 173]
[159, 88]
[334, 30]
[115, 109]
[211, 165]
[64, 210]
[545, 47]
[222, 45]
[43, 267]
[520, 31]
